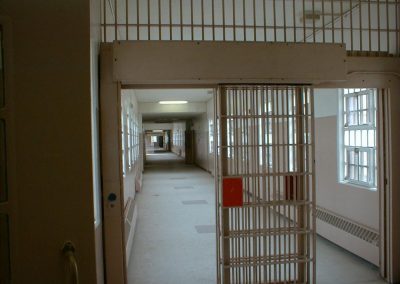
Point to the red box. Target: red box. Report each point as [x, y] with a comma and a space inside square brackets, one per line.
[232, 192]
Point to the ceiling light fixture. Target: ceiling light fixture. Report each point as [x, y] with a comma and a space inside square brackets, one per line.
[172, 102]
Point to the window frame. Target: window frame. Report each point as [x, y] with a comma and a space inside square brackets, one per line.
[352, 130]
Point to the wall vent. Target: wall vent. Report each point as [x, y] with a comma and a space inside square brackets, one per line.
[347, 225]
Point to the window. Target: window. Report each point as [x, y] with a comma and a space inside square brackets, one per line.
[357, 122]
[123, 144]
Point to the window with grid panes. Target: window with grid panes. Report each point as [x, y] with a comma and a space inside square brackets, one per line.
[358, 147]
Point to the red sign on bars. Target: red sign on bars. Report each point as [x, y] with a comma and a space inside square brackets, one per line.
[232, 192]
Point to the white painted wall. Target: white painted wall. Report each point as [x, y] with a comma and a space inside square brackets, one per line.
[356, 203]
[204, 151]
[133, 172]
[157, 126]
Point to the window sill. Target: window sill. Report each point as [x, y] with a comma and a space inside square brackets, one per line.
[350, 184]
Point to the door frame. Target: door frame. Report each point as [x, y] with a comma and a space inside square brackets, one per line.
[154, 64]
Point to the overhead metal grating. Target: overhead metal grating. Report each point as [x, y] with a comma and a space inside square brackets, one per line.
[362, 25]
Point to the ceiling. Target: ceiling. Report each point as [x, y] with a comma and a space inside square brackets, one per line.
[156, 95]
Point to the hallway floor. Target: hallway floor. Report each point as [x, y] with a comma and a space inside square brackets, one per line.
[175, 238]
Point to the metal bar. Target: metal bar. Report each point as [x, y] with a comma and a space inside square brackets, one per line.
[294, 21]
[191, 19]
[378, 10]
[181, 19]
[223, 21]
[387, 27]
[397, 27]
[126, 19]
[244, 20]
[341, 21]
[202, 19]
[304, 22]
[323, 20]
[274, 7]
[313, 20]
[148, 20]
[159, 20]
[170, 20]
[360, 23]
[265, 21]
[351, 26]
[105, 20]
[137, 20]
[224, 172]
[213, 20]
[115, 20]
[369, 26]
[333, 22]
[284, 19]
[254, 20]
[234, 19]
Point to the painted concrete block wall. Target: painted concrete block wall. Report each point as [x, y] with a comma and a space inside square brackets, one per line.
[204, 151]
[132, 172]
[200, 127]
[358, 204]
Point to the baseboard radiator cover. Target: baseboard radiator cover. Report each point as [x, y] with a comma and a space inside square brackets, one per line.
[349, 226]
[130, 226]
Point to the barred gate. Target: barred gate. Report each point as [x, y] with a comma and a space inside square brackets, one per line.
[265, 184]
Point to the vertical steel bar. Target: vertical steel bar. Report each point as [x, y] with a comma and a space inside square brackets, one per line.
[244, 20]
[360, 23]
[314, 219]
[105, 20]
[115, 20]
[202, 19]
[224, 172]
[234, 19]
[341, 21]
[137, 20]
[181, 19]
[170, 20]
[351, 25]
[223, 21]
[378, 10]
[274, 8]
[217, 176]
[313, 20]
[191, 20]
[333, 21]
[294, 22]
[304, 22]
[265, 21]
[159, 20]
[126, 19]
[254, 20]
[213, 19]
[323, 20]
[369, 26]
[148, 20]
[397, 27]
[387, 27]
[284, 19]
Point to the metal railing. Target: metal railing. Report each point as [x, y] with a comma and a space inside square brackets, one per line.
[362, 25]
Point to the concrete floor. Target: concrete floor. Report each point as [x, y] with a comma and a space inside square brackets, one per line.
[175, 240]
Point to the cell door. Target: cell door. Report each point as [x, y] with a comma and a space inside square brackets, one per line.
[265, 184]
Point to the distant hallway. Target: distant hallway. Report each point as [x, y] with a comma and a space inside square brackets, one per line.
[175, 235]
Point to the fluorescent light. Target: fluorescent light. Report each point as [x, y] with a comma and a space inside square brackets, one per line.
[172, 102]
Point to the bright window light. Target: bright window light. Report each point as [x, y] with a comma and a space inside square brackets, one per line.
[172, 102]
